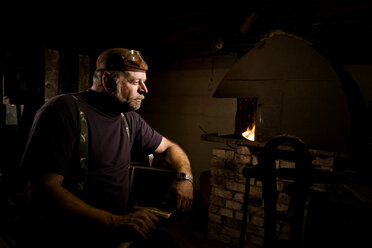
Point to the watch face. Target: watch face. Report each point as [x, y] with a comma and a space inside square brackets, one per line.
[181, 176]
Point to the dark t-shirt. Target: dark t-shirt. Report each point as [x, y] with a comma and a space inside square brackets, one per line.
[54, 139]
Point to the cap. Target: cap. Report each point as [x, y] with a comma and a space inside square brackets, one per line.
[121, 59]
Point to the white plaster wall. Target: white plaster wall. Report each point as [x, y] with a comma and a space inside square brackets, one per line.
[180, 105]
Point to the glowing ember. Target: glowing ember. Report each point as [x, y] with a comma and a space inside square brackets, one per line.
[249, 134]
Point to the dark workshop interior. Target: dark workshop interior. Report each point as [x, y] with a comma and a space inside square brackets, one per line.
[297, 74]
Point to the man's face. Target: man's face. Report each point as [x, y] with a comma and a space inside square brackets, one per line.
[130, 89]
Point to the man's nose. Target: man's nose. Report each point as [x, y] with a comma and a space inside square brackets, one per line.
[142, 88]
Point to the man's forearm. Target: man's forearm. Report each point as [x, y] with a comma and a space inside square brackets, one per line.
[139, 223]
[178, 159]
[174, 155]
[71, 203]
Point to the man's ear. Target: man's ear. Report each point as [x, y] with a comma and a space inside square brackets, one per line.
[108, 83]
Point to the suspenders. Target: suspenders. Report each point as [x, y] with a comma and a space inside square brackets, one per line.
[83, 146]
[83, 149]
[126, 124]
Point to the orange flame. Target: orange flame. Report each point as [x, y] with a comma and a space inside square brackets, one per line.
[249, 133]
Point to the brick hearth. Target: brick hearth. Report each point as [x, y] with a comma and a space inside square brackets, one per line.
[227, 194]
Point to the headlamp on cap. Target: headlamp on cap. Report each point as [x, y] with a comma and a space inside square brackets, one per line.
[133, 55]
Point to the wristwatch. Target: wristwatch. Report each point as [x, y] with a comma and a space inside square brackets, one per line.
[183, 176]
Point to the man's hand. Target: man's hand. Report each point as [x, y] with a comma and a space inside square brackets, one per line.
[183, 193]
[141, 223]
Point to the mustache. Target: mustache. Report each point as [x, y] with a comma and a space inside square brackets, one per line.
[140, 97]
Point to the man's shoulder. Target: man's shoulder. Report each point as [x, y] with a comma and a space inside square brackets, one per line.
[60, 99]
[61, 102]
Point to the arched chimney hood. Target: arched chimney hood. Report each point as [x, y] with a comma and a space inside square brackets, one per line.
[299, 92]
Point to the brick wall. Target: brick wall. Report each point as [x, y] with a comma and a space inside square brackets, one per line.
[227, 193]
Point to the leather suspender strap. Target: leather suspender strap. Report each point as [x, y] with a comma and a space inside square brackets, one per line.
[126, 124]
[83, 148]
[84, 144]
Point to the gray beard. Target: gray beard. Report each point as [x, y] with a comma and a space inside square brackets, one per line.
[133, 105]
[130, 105]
